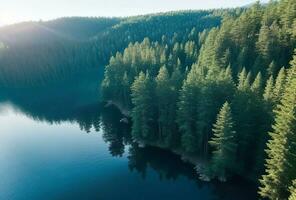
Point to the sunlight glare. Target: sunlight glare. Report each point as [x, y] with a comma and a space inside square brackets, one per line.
[7, 18]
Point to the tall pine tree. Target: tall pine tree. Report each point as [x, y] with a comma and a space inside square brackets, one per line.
[224, 144]
[143, 112]
[281, 161]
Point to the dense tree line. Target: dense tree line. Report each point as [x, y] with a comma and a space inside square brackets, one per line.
[262, 38]
[215, 95]
[39, 53]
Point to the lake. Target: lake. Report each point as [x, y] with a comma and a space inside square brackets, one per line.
[89, 154]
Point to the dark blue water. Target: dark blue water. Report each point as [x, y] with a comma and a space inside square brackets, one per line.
[91, 156]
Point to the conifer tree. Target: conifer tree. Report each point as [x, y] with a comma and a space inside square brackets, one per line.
[279, 85]
[187, 111]
[243, 80]
[293, 191]
[268, 90]
[245, 112]
[263, 44]
[281, 162]
[256, 86]
[143, 112]
[163, 94]
[224, 143]
[173, 139]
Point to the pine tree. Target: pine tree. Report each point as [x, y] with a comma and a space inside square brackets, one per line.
[248, 117]
[268, 90]
[281, 162]
[279, 85]
[143, 112]
[224, 143]
[187, 114]
[263, 44]
[256, 86]
[163, 94]
[173, 140]
[243, 80]
[293, 191]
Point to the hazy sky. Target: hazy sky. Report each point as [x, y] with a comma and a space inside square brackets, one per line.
[12, 11]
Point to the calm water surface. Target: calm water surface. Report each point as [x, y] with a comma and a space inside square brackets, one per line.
[90, 156]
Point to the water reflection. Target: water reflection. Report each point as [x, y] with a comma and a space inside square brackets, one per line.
[141, 160]
[115, 133]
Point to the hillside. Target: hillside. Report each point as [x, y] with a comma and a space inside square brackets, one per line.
[35, 53]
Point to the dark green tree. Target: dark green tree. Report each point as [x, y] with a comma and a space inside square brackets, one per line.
[163, 94]
[143, 112]
[279, 85]
[281, 162]
[224, 144]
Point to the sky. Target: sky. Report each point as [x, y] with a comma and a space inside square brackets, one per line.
[13, 11]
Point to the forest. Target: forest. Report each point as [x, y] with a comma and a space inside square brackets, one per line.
[38, 54]
[226, 94]
[216, 86]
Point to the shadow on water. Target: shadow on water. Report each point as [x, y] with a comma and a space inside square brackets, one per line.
[170, 167]
[91, 115]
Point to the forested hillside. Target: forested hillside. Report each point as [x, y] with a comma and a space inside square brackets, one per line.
[225, 94]
[39, 53]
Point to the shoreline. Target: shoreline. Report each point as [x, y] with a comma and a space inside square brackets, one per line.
[194, 160]
[198, 162]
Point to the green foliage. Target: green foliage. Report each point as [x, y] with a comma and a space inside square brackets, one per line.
[143, 112]
[259, 36]
[256, 87]
[281, 161]
[224, 144]
[268, 90]
[192, 76]
[41, 53]
[293, 191]
[187, 110]
[201, 96]
[279, 85]
[166, 93]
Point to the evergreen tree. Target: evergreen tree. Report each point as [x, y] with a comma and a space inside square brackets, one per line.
[249, 117]
[268, 90]
[173, 139]
[293, 191]
[143, 112]
[163, 94]
[279, 85]
[256, 86]
[263, 44]
[243, 80]
[271, 69]
[224, 143]
[281, 162]
[187, 111]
